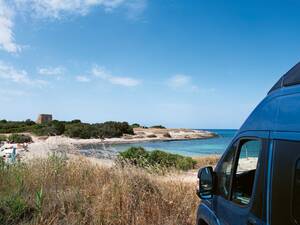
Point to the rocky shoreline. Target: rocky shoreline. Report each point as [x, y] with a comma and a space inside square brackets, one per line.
[150, 135]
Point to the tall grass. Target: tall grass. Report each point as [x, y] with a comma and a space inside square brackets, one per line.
[59, 191]
[202, 161]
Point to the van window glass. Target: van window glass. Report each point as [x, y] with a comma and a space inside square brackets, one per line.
[225, 171]
[244, 175]
[296, 204]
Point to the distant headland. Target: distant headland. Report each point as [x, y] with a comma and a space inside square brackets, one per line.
[110, 131]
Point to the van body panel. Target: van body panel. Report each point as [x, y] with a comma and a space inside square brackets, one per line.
[229, 213]
[207, 214]
[263, 117]
[288, 118]
[283, 135]
[277, 112]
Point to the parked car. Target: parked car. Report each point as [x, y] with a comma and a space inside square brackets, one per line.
[257, 180]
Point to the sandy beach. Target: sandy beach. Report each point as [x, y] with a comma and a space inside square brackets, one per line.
[43, 146]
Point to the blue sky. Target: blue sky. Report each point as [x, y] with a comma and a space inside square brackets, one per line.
[197, 64]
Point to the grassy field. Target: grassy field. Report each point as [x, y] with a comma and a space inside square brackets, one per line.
[58, 191]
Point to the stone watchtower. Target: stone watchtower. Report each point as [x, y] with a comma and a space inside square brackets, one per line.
[44, 118]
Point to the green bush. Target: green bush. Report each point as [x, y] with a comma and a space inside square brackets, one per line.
[74, 128]
[19, 138]
[158, 127]
[14, 209]
[99, 130]
[138, 156]
[76, 121]
[15, 126]
[79, 130]
[52, 128]
[135, 125]
[3, 138]
[151, 136]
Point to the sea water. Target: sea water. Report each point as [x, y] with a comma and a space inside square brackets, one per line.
[198, 147]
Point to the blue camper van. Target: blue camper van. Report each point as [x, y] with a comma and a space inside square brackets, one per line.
[257, 180]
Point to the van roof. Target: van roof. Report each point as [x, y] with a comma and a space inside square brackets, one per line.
[280, 109]
[292, 77]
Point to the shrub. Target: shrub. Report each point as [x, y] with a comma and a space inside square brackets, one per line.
[138, 156]
[158, 127]
[3, 138]
[29, 122]
[74, 128]
[203, 161]
[114, 129]
[13, 127]
[52, 128]
[100, 130]
[167, 135]
[185, 163]
[135, 125]
[79, 130]
[151, 136]
[14, 209]
[76, 121]
[19, 138]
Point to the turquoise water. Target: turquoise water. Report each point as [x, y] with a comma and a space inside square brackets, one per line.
[189, 147]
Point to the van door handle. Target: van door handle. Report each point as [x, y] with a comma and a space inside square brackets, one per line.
[251, 221]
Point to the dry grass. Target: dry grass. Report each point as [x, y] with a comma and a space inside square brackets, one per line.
[203, 161]
[56, 191]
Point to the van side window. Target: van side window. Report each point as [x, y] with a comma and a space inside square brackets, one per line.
[225, 171]
[296, 196]
[244, 174]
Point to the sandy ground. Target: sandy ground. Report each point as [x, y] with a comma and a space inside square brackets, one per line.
[43, 146]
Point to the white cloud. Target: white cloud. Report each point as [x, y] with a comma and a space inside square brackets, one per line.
[58, 8]
[124, 81]
[136, 8]
[179, 81]
[117, 80]
[7, 41]
[100, 72]
[184, 82]
[8, 72]
[55, 9]
[83, 79]
[57, 72]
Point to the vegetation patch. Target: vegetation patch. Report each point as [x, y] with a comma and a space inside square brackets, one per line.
[151, 136]
[73, 129]
[3, 138]
[203, 161]
[59, 191]
[138, 156]
[158, 127]
[19, 138]
[108, 129]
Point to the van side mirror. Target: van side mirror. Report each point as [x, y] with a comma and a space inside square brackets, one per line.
[206, 183]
